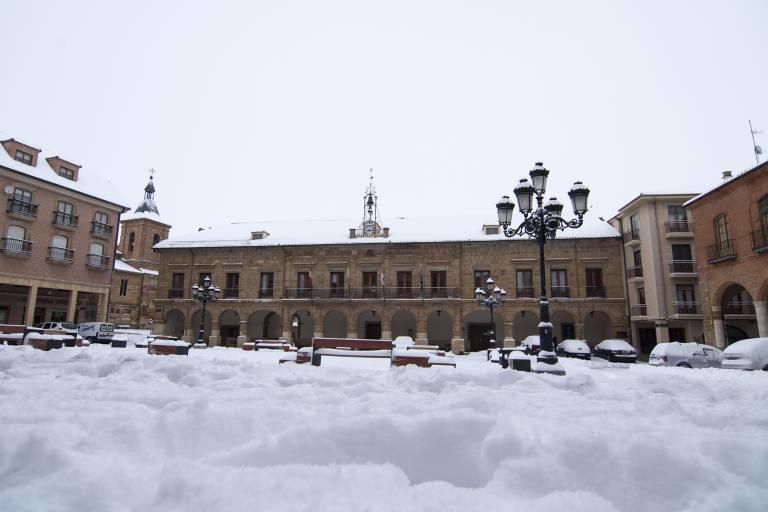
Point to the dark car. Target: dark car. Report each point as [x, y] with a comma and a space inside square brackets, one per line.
[573, 348]
[615, 351]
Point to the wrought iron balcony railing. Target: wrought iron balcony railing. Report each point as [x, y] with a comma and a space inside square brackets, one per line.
[632, 234]
[636, 271]
[686, 308]
[561, 291]
[682, 267]
[99, 228]
[65, 219]
[523, 292]
[639, 309]
[24, 208]
[60, 254]
[678, 226]
[266, 293]
[760, 239]
[595, 291]
[97, 261]
[15, 246]
[371, 292]
[721, 251]
[739, 308]
[231, 293]
[176, 293]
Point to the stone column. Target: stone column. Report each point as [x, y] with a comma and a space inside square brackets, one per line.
[579, 328]
[72, 307]
[761, 312]
[421, 329]
[101, 314]
[718, 326]
[509, 339]
[662, 331]
[190, 334]
[458, 345]
[242, 338]
[29, 315]
[214, 338]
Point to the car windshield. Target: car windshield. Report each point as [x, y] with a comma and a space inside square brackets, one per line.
[68, 325]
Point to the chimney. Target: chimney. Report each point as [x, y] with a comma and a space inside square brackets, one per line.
[727, 175]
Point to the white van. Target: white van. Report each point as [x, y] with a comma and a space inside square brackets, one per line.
[100, 332]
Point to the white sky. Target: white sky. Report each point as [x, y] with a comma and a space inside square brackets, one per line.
[276, 110]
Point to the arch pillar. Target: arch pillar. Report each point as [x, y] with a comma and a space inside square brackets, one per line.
[579, 326]
[213, 339]
[458, 343]
[509, 339]
[189, 333]
[421, 329]
[242, 338]
[761, 313]
[718, 326]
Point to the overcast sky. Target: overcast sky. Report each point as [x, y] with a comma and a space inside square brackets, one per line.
[276, 110]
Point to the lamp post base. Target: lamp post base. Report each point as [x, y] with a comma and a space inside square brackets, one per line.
[200, 345]
[547, 362]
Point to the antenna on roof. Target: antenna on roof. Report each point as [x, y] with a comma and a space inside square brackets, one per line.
[758, 149]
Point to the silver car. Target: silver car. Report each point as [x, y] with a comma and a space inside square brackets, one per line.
[686, 355]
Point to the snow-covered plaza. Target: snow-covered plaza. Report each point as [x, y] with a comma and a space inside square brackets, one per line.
[102, 429]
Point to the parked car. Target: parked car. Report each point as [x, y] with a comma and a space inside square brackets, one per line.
[573, 348]
[616, 351]
[532, 344]
[749, 354]
[685, 355]
[67, 327]
[100, 332]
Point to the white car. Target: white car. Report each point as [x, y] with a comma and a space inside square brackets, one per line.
[616, 351]
[685, 355]
[574, 348]
[67, 327]
[749, 354]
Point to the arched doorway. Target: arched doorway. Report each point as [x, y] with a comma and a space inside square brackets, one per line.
[196, 325]
[229, 327]
[335, 325]
[526, 323]
[597, 327]
[403, 324]
[440, 329]
[302, 328]
[174, 324]
[564, 328]
[479, 329]
[369, 325]
[739, 317]
[264, 325]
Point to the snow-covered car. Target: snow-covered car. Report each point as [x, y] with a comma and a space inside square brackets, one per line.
[67, 327]
[749, 354]
[685, 355]
[402, 341]
[532, 344]
[615, 351]
[573, 348]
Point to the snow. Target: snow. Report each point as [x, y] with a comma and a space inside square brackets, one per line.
[225, 429]
[615, 345]
[122, 266]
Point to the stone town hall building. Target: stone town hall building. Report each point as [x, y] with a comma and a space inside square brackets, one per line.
[410, 276]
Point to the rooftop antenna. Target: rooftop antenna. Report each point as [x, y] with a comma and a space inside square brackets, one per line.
[758, 149]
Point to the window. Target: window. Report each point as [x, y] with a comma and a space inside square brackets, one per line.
[96, 255]
[595, 286]
[267, 284]
[21, 202]
[177, 286]
[101, 218]
[638, 258]
[67, 173]
[481, 276]
[100, 224]
[685, 293]
[64, 214]
[231, 285]
[439, 281]
[524, 283]
[682, 258]
[640, 309]
[677, 334]
[721, 230]
[23, 157]
[337, 283]
[304, 284]
[763, 209]
[369, 284]
[634, 227]
[641, 296]
[15, 241]
[404, 283]
[676, 213]
[58, 249]
[155, 239]
[123, 288]
[559, 282]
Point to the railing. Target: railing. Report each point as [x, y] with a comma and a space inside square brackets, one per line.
[231, 293]
[636, 271]
[760, 239]
[266, 293]
[371, 292]
[100, 229]
[682, 267]
[595, 291]
[739, 308]
[561, 291]
[97, 261]
[524, 292]
[678, 226]
[176, 293]
[16, 246]
[60, 254]
[722, 251]
[632, 235]
[686, 308]
[65, 219]
[21, 207]
[639, 309]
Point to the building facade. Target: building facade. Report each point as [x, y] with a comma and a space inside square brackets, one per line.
[731, 233]
[662, 281]
[416, 277]
[58, 238]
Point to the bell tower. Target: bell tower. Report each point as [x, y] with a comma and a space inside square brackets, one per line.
[142, 229]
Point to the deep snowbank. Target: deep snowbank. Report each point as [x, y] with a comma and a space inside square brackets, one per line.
[118, 430]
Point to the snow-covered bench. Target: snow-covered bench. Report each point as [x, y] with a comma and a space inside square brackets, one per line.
[45, 341]
[300, 356]
[167, 346]
[272, 345]
[349, 347]
[421, 357]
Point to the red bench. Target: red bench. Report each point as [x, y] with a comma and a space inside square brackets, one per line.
[12, 334]
[349, 347]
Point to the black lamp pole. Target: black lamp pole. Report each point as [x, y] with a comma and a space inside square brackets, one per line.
[542, 223]
[205, 294]
[491, 297]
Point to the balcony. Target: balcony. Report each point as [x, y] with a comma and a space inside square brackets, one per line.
[60, 255]
[21, 208]
[560, 291]
[760, 240]
[525, 292]
[596, 291]
[230, 293]
[722, 251]
[739, 309]
[678, 228]
[97, 262]
[176, 293]
[101, 230]
[631, 237]
[65, 220]
[639, 310]
[682, 267]
[687, 308]
[371, 292]
[635, 272]
[15, 247]
[266, 293]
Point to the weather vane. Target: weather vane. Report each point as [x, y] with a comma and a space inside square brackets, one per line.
[758, 149]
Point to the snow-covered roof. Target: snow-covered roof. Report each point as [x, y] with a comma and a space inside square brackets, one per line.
[724, 184]
[656, 195]
[122, 266]
[149, 272]
[143, 215]
[336, 232]
[90, 182]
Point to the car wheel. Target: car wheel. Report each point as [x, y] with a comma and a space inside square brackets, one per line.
[683, 365]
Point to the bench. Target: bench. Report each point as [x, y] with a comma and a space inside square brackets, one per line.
[168, 346]
[300, 356]
[46, 341]
[349, 347]
[422, 358]
[12, 334]
[272, 345]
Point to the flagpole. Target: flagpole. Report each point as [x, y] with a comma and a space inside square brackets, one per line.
[754, 144]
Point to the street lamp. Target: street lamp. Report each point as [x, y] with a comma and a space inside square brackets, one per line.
[205, 294]
[542, 222]
[491, 297]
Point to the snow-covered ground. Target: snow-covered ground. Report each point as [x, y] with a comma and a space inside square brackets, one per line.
[101, 429]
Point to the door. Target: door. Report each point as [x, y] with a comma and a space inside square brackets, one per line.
[373, 330]
[647, 339]
[479, 334]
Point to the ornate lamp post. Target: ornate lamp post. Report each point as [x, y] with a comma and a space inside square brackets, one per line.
[205, 294]
[491, 297]
[542, 222]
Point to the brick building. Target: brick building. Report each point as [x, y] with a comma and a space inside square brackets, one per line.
[342, 278]
[57, 240]
[731, 236]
